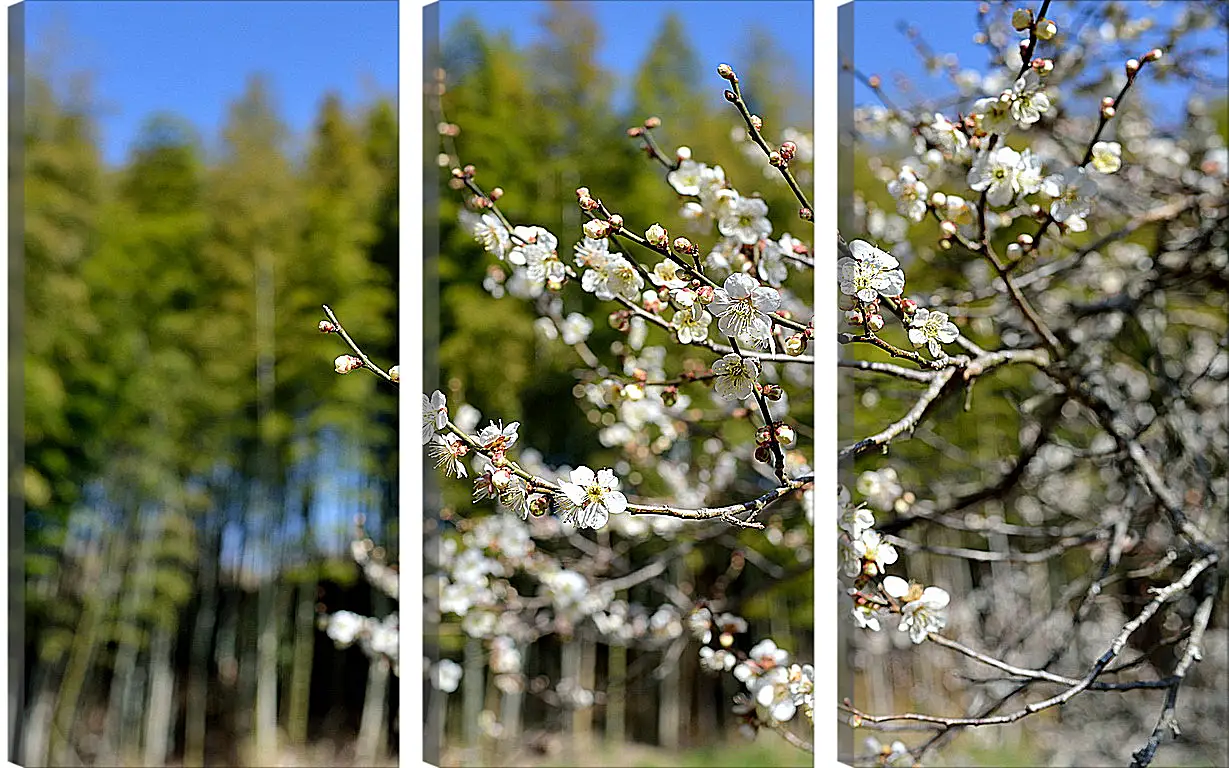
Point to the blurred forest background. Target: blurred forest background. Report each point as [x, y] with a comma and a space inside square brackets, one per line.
[540, 120]
[193, 466]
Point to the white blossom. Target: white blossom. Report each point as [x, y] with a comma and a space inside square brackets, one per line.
[1072, 191]
[735, 376]
[870, 272]
[434, 415]
[926, 614]
[742, 306]
[746, 220]
[1106, 156]
[996, 172]
[910, 194]
[446, 675]
[591, 498]
[930, 329]
[691, 324]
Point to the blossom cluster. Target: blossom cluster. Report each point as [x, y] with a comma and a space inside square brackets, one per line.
[864, 558]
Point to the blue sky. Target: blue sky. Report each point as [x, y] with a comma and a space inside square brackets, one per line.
[948, 27]
[192, 57]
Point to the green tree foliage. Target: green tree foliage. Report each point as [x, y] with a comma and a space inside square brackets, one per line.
[179, 403]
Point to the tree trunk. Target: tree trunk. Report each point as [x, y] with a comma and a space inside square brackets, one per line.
[196, 709]
[371, 728]
[301, 670]
[266, 675]
[616, 696]
[158, 718]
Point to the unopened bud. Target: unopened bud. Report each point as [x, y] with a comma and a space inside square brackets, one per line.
[805, 214]
[1014, 251]
[616, 221]
[874, 81]
[1025, 239]
[635, 132]
[757, 123]
[1154, 55]
[683, 245]
[946, 243]
[726, 72]
[705, 294]
[327, 327]
[670, 396]
[1023, 46]
[772, 392]
[620, 320]
[457, 173]
[763, 453]
[1107, 112]
[938, 199]
[347, 363]
[785, 435]
[729, 95]
[762, 436]
[588, 203]
[1132, 67]
[470, 171]
[538, 504]
[795, 345]
[1047, 66]
[1046, 29]
[775, 159]
[596, 229]
[1021, 18]
[908, 306]
[582, 192]
[853, 316]
[652, 122]
[683, 153]
[394, 373]
[501, 477]
[947, 227]
[657, 235]
[787, 150]
[497, 193]
[874, 322]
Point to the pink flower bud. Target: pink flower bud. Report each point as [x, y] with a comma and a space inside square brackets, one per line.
[683, 245]
[773, 392]
[616, 221]
[787, 150]
[757, 123]
[874, 322]
[908, 306]
[1154, 55]
[1132, 67]
[327, 327]
[652, 122]
[347, 363]
[726, 72]
[394, 373]
[854, 317]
